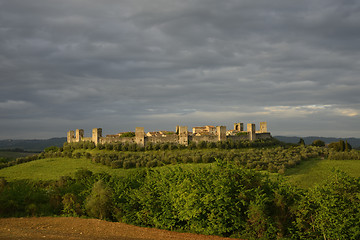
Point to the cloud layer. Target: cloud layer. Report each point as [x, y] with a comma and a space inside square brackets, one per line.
[121, 64]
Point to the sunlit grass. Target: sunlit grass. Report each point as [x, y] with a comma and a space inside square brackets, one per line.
[312, 172]
[54, 168]
[306, 174]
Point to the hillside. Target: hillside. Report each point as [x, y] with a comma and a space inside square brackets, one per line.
[190, 195]
[36, 145]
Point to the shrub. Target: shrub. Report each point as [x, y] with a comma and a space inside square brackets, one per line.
[318, 143]
[72, 206]
[331, 211]
[51, 149]
[340, 146]
[99, 203]
[82, 174]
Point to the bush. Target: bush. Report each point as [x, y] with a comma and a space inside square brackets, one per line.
[99, 204]
[318, 143]
[51, 149]
[72, 206]
[83, 174]
[340, 146]
[331, 211]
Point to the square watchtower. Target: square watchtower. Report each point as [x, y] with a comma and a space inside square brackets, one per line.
[263, 127]
[239, 127]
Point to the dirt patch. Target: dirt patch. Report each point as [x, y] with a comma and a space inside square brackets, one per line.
[89, 229]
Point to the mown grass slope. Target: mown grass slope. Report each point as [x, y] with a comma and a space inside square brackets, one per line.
[54, 168]
[316, 171]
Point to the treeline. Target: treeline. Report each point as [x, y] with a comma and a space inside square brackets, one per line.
[275, 159]
[269, 154]
[69, 150]
[4, 162]
[133, 147]
[223, 199]
[348, 155]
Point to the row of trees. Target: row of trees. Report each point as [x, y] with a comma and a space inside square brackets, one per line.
[222, 200]
[133, 147]
[276, 159]
[9, 163]
[261, 155]
[346, 155]
[272, 159]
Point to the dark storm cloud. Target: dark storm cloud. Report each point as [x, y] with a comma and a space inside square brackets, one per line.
[115, 64]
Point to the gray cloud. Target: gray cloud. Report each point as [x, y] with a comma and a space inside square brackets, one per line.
[120, 64]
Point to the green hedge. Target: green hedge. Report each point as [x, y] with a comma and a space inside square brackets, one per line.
[220, 200]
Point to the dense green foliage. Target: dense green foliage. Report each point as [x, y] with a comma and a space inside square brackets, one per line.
[318, 143]
[8, 162]
[128, 134]
[133, 147]
[331, 210]
[273, 159]
[221, 199]
[226, 198]
[346, 155]
[340, 146]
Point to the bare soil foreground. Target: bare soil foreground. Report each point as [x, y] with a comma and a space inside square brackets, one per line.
[89, 229]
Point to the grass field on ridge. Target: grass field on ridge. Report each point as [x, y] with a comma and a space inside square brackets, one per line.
[54, 168]
[307, 174]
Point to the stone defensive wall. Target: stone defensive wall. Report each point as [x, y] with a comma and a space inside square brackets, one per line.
[180, 136]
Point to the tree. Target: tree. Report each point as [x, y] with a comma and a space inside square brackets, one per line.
[301, 142]
[318, 143]
[347, 146]
[99, 203]
[340, 146]
[51, 149]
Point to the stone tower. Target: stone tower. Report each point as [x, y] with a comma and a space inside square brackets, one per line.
[221, 132]
[79, 135]
[140, 136]
[70, 136]
[263, 127]
[239, 126]
[252, 131]
[96, 135]
[183, 135]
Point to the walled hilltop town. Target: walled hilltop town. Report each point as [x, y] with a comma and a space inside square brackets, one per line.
[180, 136]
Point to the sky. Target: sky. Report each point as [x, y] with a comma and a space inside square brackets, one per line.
[121, 64]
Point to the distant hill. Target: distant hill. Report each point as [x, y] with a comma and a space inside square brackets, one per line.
[354, 142]
[35, 145]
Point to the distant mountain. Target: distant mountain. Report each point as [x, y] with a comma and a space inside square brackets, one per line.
[354, 142]
[35, 145]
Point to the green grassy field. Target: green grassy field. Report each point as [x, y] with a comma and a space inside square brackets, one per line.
[54, 168]
[312, 172]
[305, 175]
